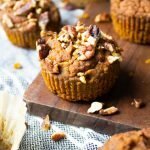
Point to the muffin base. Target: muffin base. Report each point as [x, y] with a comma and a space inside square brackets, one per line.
[73, 90]
[134, 29]
[22, 39]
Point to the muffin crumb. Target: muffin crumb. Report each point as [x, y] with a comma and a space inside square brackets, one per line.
[95, 106]
[137, 103]
[102, 17]
[17, 66]
[46, 123]
[109, 111]
[57, 136]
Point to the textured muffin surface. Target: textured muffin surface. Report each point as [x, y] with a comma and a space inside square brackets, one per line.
[80, 54]
[131, 19]
[131, 7]
[26, 15]
[133, 140]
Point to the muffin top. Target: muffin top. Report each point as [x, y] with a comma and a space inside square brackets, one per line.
[131, 7]
[30, 14]
[133, 140]
[77, 50]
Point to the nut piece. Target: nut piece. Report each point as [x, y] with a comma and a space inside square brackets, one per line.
[17, 66]
[95, 106]
[82, 79]
[137, 103]
[112, 59]
[44, 20]
[58, 136]
[109, 111]
[6, 19]
[102, 17]
[46, 124]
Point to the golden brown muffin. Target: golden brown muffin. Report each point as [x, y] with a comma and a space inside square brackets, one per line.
[24, 19]
[131, 19]
[79, 63]
[133, 140]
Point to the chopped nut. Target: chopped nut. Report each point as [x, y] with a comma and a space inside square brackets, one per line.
[95, 106]
[109, 111]
[102, 17]
[17, 66]
[46, 123]
[39, 11]
[147, 61]
[6, 19]
[91, 40]
[30, 15]
[32, 20]
[80, 74]
[44, 20]
[43, 49]
[25, 9]
[109, 46]
[112, 59]
[84, 16]
[82, 79]
[58, 136]
[94, 31]
[137, 103]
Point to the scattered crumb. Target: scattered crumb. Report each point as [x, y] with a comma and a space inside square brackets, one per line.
[26, 124]
[17, 66]
[109, 111]
[137, 103]
[102, 17]
[147, 61]
[95, 106]
[84, 16]
[46, 123]
[58, 136]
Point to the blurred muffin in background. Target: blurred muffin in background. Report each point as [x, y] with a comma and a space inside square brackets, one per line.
[133, 140]
[24, 19]
[80, 62]
[131, 19]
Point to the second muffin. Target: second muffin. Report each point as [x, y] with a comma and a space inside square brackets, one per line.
[131, 19]
[79, 63]
[24, 19]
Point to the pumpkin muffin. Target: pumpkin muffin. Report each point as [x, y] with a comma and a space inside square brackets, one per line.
[79, 63]
[133, 140]
[131, 19]
[24, 19]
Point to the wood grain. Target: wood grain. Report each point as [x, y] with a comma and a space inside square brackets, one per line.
[41, 101]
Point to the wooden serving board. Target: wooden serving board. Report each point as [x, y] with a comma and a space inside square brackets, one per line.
[41, 102]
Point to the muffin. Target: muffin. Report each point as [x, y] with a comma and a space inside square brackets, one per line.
[79, 63]
[24, 19]
[131, 19]
[133, 140]
[79, 3]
